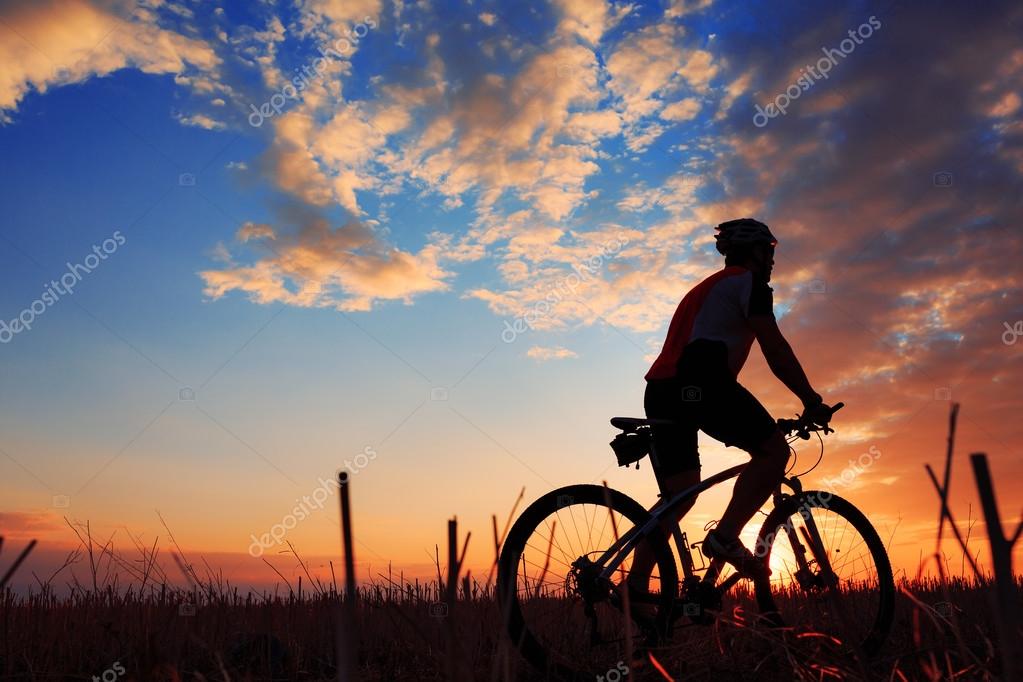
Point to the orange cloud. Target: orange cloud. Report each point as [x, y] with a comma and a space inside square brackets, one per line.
[30, 525]
[347, 268]
[542, 353]
[48, 44]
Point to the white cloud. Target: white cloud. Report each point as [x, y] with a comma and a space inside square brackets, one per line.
[543, 354]
[200, 121]
[683, 110]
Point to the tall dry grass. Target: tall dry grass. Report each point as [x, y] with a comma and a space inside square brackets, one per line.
[130, 613]
[210, 630]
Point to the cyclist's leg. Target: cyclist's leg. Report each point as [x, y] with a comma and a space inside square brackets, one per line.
[755, 484]
[738, 419]
[644, 560]
[675, 461]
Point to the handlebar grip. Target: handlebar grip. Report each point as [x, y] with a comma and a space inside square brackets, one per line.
[837, 407]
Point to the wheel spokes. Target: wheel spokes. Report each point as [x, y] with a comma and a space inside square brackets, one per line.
[557, 575]
[824, 577]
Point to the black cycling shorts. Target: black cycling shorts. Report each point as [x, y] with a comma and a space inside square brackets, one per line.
[703, 396]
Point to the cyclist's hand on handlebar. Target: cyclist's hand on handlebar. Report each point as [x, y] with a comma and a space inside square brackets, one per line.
[815, 417]
[819, 414]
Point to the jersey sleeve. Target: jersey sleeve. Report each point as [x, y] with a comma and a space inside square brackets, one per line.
[761, 299]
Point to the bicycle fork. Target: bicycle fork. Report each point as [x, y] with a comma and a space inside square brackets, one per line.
[814, 544]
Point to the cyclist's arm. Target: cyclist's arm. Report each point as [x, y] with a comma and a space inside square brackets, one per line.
[781, 359]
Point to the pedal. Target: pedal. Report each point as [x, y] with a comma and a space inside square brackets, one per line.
[699, 552]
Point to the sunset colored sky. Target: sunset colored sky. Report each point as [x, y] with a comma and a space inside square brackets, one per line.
[244, 243]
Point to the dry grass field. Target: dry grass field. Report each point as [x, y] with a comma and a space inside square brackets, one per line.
[214, 633]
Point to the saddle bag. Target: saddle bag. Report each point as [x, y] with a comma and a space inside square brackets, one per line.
[629, 448]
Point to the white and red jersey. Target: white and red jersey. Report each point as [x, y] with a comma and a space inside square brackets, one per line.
[716, 309]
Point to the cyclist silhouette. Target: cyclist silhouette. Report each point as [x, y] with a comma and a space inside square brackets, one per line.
[693, 382]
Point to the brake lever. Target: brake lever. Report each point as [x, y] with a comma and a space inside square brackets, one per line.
[804, 433]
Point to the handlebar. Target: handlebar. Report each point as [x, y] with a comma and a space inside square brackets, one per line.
[802, 426]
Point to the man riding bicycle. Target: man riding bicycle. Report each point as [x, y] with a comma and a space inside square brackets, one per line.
[693, 383]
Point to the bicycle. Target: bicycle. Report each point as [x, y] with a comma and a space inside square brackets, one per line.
[561, 593]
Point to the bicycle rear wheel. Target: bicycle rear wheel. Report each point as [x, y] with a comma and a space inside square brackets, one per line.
[830, 571]
[563, 618]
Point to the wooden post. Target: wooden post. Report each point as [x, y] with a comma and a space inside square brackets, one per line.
[451, 594]
[347, 639]
[1006, 596]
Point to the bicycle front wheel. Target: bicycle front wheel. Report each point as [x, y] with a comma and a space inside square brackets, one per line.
[562, 615]
[830, 571]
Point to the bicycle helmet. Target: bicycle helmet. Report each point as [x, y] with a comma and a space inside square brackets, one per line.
[742, 232]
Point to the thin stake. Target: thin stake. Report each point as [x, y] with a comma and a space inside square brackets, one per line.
[347, 641]
[17, 562]
[951, 522]
[624, 583]
[497, 550]
[547, 562]
[451, 594]
[953, 414]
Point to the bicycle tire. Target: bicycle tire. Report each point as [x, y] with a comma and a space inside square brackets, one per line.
[522, 637]
[872, 642]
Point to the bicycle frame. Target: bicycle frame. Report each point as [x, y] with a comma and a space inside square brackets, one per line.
[616, 553]
[623, 546]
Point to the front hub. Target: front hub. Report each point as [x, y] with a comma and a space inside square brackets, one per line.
[585, 581]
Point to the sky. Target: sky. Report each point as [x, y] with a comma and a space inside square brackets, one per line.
[439, 244]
